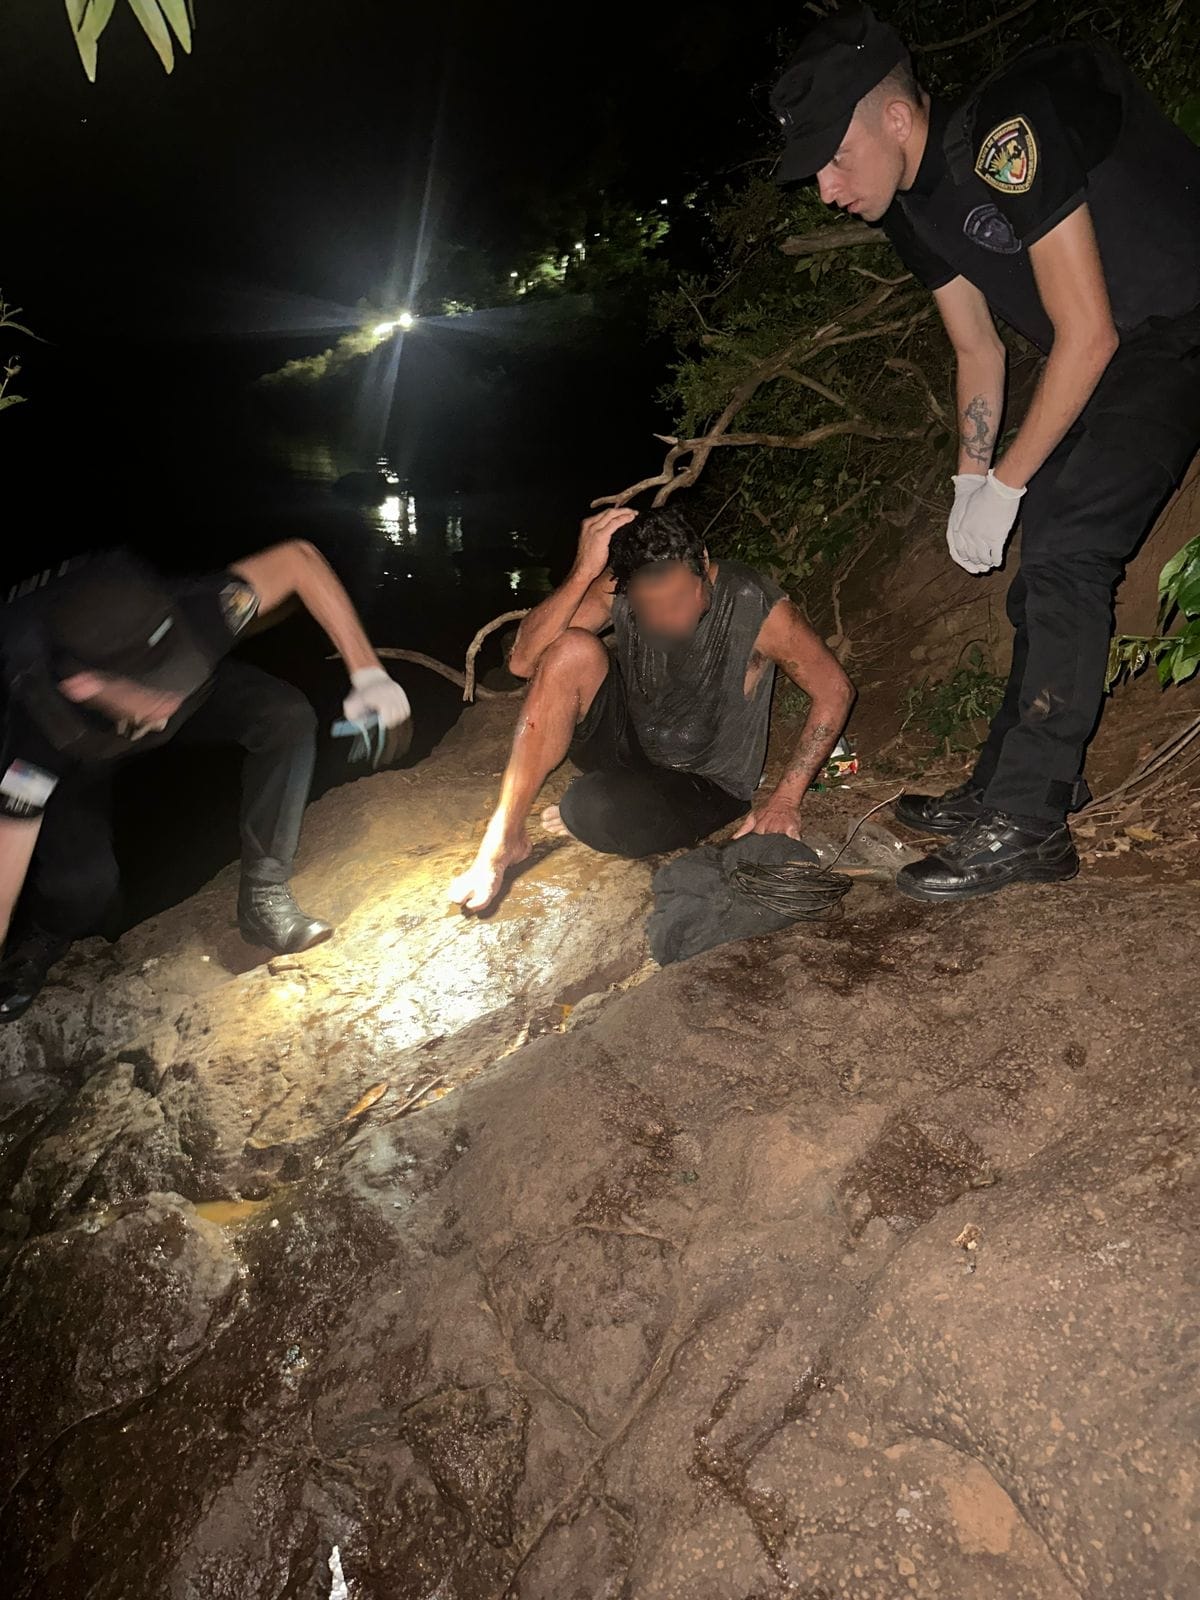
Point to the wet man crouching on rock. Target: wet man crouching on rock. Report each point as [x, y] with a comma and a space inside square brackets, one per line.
[107, 661]
[669, 728]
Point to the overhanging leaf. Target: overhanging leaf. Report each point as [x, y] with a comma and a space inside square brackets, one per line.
[96, 15]
[10, 400]
[151, 18]
[179, 14]
[88, 19]
[1168, 578]
[19, 327]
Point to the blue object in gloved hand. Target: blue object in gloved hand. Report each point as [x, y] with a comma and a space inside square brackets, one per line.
[697, 905]
[372, 740]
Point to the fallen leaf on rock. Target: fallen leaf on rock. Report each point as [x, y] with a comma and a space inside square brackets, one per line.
[366, 1101]
[969, 1238]
[1143, 835]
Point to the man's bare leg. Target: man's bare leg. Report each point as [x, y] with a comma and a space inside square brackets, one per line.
[564, 686]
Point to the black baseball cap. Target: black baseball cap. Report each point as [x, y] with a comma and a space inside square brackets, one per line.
[114, 615]
[843, 57]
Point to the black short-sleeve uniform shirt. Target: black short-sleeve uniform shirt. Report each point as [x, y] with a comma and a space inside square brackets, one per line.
[216, 608]
[1058, 129]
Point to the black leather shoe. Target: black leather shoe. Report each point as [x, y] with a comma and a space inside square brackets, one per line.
[24, 969]
[988, 855]
[941, 813]
[268, 916]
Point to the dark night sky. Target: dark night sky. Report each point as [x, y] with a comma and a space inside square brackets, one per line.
[287, 157]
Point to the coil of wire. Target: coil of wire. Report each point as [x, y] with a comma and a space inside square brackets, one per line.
[794, 889]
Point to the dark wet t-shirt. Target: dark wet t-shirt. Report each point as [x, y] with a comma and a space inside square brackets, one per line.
[216, 607]
[688, 703]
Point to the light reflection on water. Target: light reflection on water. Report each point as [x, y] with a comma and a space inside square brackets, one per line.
[461, 557]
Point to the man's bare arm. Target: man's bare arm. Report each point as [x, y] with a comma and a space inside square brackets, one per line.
[1070, 279]
[583, 600]
[786, 639]
[298, 569]
[980, 359]
[17, 840]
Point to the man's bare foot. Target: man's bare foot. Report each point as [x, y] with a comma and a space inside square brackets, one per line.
[553, 823]
[480, 884]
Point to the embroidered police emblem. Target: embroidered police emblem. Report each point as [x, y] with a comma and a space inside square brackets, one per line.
[988, 226]
[238, 603]
[1008, 157]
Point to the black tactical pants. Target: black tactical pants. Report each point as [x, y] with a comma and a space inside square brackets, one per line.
[1083, 517]
[74, 877]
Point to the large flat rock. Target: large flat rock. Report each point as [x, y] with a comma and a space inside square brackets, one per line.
[679, 1302]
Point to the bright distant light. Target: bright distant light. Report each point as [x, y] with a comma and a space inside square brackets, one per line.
[514, 274]
[384, 330]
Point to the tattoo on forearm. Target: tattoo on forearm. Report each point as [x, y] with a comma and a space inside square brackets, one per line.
[978, 432]
[811, 754]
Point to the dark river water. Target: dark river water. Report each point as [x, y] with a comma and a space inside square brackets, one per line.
[492, 435]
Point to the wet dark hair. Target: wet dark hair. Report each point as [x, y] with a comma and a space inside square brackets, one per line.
[657, 536]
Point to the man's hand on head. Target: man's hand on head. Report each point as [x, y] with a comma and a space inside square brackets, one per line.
[775, 814]
[595, 536]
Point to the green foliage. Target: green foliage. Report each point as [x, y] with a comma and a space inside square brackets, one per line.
[792, 509]
[951, 708]
[11, 364]
[159, 19]
[578, 246]
[1176, 655]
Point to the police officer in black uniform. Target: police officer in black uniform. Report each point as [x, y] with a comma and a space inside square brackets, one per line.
[1059, 197]
[106, 660]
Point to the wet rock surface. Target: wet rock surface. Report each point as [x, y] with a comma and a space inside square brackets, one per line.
[857, 1261]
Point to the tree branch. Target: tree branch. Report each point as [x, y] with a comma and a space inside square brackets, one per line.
[687, 458]
[474, 647]
[389, 653]
[838, 236]
[899, 364]
[975, 33]
[817, 387]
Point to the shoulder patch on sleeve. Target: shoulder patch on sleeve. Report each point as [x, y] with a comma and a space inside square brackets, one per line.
[1008, 157]
[25, 789]
[239, 604]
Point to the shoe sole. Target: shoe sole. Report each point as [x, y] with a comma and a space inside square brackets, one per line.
[256, 943]
[1050, 873]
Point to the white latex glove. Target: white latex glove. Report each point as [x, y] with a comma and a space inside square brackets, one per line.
[376, 694]
[966, 485]
[978, 536]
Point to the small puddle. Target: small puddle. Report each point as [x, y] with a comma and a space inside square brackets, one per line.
[230, 1213]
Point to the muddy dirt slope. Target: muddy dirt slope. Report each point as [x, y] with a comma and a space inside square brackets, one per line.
[860, 1261]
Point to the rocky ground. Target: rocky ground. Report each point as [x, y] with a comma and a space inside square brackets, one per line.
[858, 1261]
